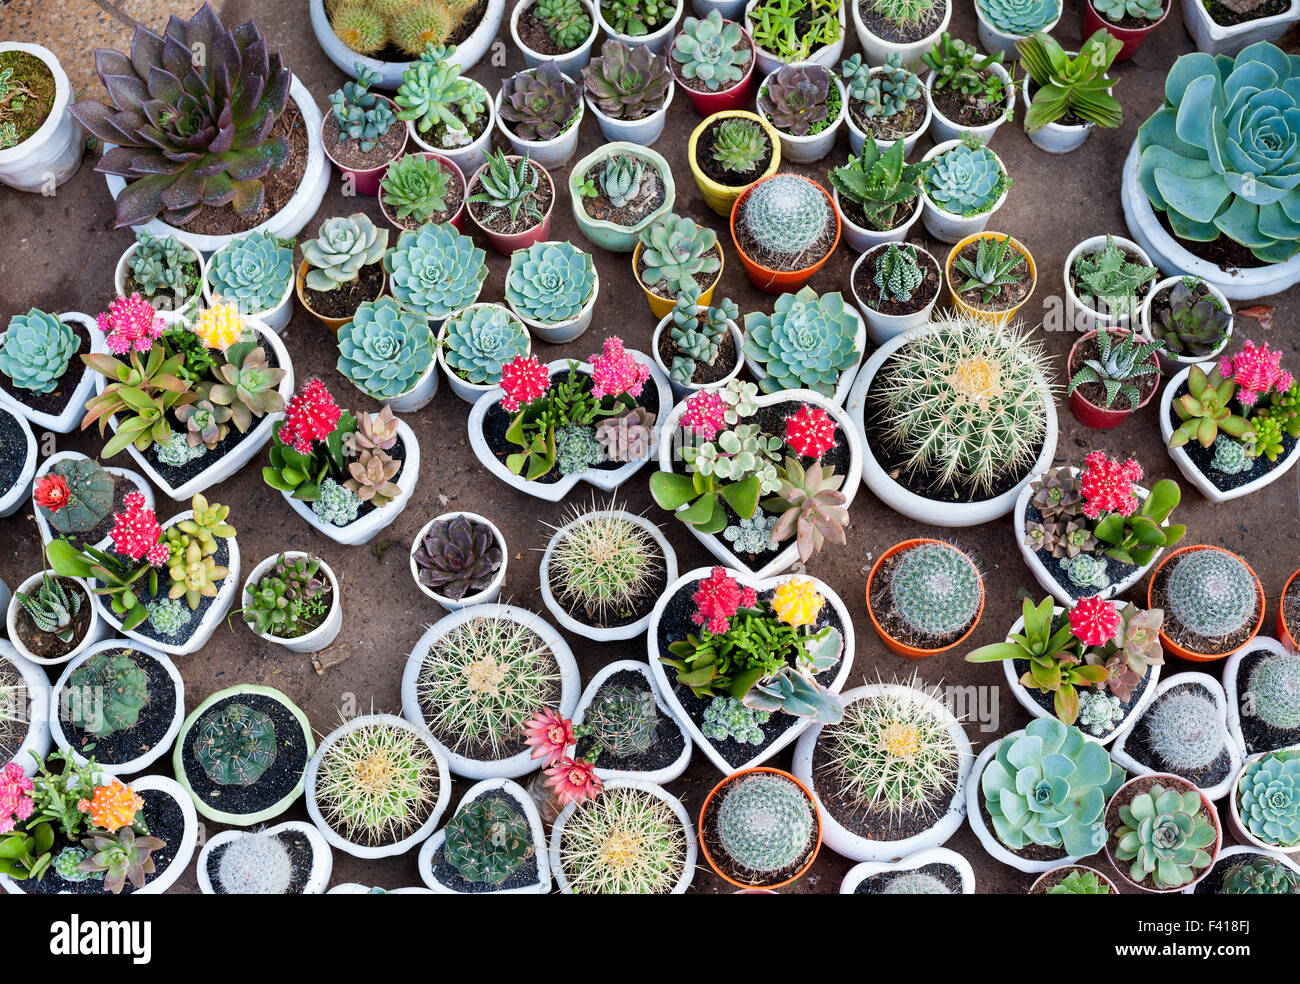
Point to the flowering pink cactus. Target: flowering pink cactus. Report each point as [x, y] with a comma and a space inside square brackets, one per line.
[1094, 621]
[130, 323]
[573, 780]
[311, 415]
[615, 372]
[1255, 370]
[810, 432]
[718, 598]
[1107, 485]
[549, 734]
[523, 380]
[705, 414]
[136, 533]
[15, 797]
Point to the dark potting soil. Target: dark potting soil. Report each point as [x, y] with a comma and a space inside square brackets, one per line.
[273, 785]
[895, 127]
[1007, 296]
[973, 110]
[1115, 570]
[533, 33]
[13, 451]
[221, 558]
[498, 219]
[280, 183]
[665, 747]
[1224, 17]
[13, 724]
[786, 261]
[1259, 736]
[1184, 636]
[1056, 876]
[864, 285]
[522, 877]
[676, 624]
[660, 288]
[876, 884]
[454, 197]
[882, 607]
[1161, 303]
[56, 401]
[1202, 457]
[886, 29]
[698, 85]
[1030, 852]
[155, 718]
[1046, 700]
[33, 75]
[1223, 252]
[349, 154]
[641, 605]
[468, 23]
[650, 196]
[1138, 744]
[161, 814]
[296, 846]
[731, 179]
[704, 373]
[722, 861]
[1095, 393]
[343, 301]
[311, 622]
[49, 645]
[1212, 884]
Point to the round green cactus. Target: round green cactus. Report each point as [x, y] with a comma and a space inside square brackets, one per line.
[935, 589]
[550, 282]
[1260, 876]
[1185, 731]
[252, 272]
[622, 721]
[487, 841]
[765, 823]
[1268, 798]
[90, 496]
[343, 246]
[805, 343]
[435, 270]
[35, 351]
[786, 214]
[107, 693]
[384, 350]
[1274, 690]
[1211, 593]
[235, 745]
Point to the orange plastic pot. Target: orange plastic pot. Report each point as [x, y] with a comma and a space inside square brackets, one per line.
[992, 317]
[895, 645]
[333, 324]
[1187, 654]
[781, 281]
[1284, 633]
[704, 811]
[661, 307]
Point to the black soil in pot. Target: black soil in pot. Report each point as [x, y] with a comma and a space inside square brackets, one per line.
[522, 877]
[666, 746]
[49, 645]
[946, 873]
[887, 30]
[1258, 735]
[343, 301]
[13, 451]
[631, 213]
[895, 127]
[1138, 744]
[155, 718]
[1202, 457]
[1047, 700]
[1095, 393]
[295, 844]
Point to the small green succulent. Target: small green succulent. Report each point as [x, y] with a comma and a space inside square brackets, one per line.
[1268, 798]
[415, 187]
[384, 350]
[479, 340]
[711, 50]
[550, 282]
[35, 351]
[675, 250]
[805, 343]
[435, 270]
[1166, 834]
[253, 272]
[342, 247]
[966, 180]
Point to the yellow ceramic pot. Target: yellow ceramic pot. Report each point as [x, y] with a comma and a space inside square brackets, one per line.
[663, 306]
[993, 317]
[720, 197]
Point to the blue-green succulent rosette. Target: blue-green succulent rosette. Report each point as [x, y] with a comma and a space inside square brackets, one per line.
[383, 350]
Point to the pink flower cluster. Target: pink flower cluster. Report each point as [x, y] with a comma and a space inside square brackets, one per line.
[1107, 485]
[1255, 370]
[311, 415]
[523, 380]
[810, 432]
[130, 323]
[550, 734]
[1094, 621]
[718, 598]
[136, 533]
[615, 372]
[705, 414]
[15, 797]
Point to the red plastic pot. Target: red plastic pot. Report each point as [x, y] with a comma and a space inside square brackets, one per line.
[507, 243]
[365, 182]
[1130, 39]
[457, 220]
[1087, 412]
[781, 281]
[737, 97]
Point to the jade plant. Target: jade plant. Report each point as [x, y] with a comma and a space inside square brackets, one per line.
[35, 351]
[435, 270]
[384, 351]
[253, 272]
[711, 52]
[343, 246]
[477, 341]
[879, 185]
[1169, 836]
[627, 83]
[360, 114]
[550, 282]
[805, 343]
[1071, 85]
[539, 103]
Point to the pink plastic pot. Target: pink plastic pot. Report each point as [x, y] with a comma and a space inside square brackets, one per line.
[457, 220]
[737, 97]
[1087, 412]
[1132, 40]
[507, 243]
[365, 182]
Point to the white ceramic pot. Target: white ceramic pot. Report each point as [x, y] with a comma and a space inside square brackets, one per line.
[858, 137]
[52, 154]
[564, 331]
[321, 636]
[688, 831]
[1236, 850]
[844, 841]
[943, 129]
[550, 154]
[521, 763]
[297, 211]
[860, 238]
[931, 855]
[1233, 687]
[811, 146]
[1170, 364]
[1239, 830]
[363, 529]
[665, 685]
[729, 9]
[95, 630]
[36, 709]
[993, 40]
[1215, 39]
[882, 327]
[1188, 467]
[656, 40]
[337, 840]
[69, 418]
[322, 859]
[175, 315]
[537, 834]
[874, 48]
[606, 480]
[1057, 138]
[274, 318]
[829, 55]
[1120, 754]
[473, 155]
[488, 594]
[948, 227]
[933, 511]
[161, 747]
[643, 132]
[467, 391]
[245, 451]
[1080, 317]
[683, 390]
[571, 62]
[594, 632]
[13, 498]
[847, 376]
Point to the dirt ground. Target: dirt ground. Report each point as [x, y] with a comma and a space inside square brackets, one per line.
[61, 253]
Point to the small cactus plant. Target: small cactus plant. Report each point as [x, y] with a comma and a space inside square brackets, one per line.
[1260, 875]
[88, 499]
[786, 214]
[1274, 691]
[765, 823]
[898, 274]
[935, 590]
[915, 883]
[622, 721]
[235, 745]
[1211, 593]
[1185, 731]
[487, 841]
[255, 864]
[106, 693]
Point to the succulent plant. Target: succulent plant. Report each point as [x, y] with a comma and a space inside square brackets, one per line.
[384, 350]
[255, 864]
[435, 96]
[993, 267]
[539, 103]
[246, 384]
[1099, 713]
[360, 28]
[966, 180]
[1080, 883]
[675, 250]
[882, 94]
[284, 594]
[1166, 834]
[89, 497]
[1086, 570]
[960, 68]
[435, 270]
[163, 264]
[727, 718]
[122, 857]
[108, 690]
[752, 535]
[697, 333]
[189, 131]
[1274, 690]
[713, 51]
[786, 215]
[415, 187]
[360, 114]
[636, 18]
[1020, 16]
[935, 590]
[622, 721]
[205, 423]
[477, 341]
[902, 11]
[1212, 593]
[915, 883]
[53, 608]
[1120, 362]
[1185, 731]
[805, 343]
[1109, 282]
[550, 282]
[335, 504]
[621, 179]
[1192, 321]
[627, 83]
[376, 431]
[576, 449]
[811, 507]
[1268, 798]
[457, 557]
[567, 22]
[67, 863]
[195, 575]
[898, 274]
[1205, 410]
[371, 478]
[795, 98]
[342, 247]
[739, 145]
[1117, 10]
[1075, 85]
[252, 272]
[881, 185]
[487, 840]
[1261, 875]
[35, 351]
[235, 745]
[793, 31]
[509, 187]
[764, 823]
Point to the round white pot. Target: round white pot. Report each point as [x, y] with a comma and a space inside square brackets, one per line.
[52, 154]
[1057, 138]
[858, 137]
[160, 748]
[1232, 688]
[5, 594]
[521, 763]
[930, 855]
[1215, 39]
[919, 508]
[274, 318]
[644, 131]
[656, 40]
[847, 376]
[683, 390]
[467, 391]
[417, 397]
[337, 840]
[948, 227]
[245, 451]
[1121, 756]
[1238, 829]
[845, 842]
[1080, 317]
[17, 494]
[594, 632]
[994, 40]
[550, 154]
[1170, 364]
[36, 710]
[96, 630]
[1237, 849]
[488, 594]
[882, 327]
[473, 155]
[537, 834]
[1188, 467]
[322, 859]
[191, 305]
[729, 9]
[829, 55]
[570, 63]
[363, 529]
[688, 830]
[811, 146]
[69, 418]
[874, 49]
[860, 238]
[564, 331]
[942, 129]
[321, 636]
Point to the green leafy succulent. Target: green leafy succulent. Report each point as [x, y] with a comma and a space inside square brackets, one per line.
[435, 270]
[477, 341]
[342, 247]
[252, 272]
[805, 343]
[1071, 85]
[675, 249]
[35, 351]
[415, 187]
[1166, 834]
[550, 282]
[384, 350]
[966, 180]
[713, 51]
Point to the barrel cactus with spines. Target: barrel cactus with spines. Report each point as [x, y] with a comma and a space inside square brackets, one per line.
[255, 864]
[805, 343]
[550, 282]
[1212, 593]
[898, 274]
[487, 841]
[1260, 875]
[786, 214]
[35, 351]
[765, 823]
[622, 721]
[935, 589]
[1274, 690]
[251, 272]
[435, 270]
[107, 692]
[480, 340]
[1185, 731]
[90, 496]
[1020, 17]
[235, 745]
[384, 350]
[343, 246]
[1268, 798]
[966, 180]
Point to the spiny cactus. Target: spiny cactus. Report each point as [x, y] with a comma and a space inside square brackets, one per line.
[236, 745]
[935, 589]
[1260, 875]
[361, 29]
[786, 214]
[1274, 690]
[1185, 731]
[89, 498]
[487, 841]
[106, 693]
[898, 274]
[915, 883]
[255, 864]
[765, 823]
[1212, 593]
[622, 721]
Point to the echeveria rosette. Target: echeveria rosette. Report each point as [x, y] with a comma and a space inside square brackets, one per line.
[966, 180]
[540, 103]
[478, 341]
[711, 50]
[550, 282]
[435, 270]
[384, 350]
[35, 351]
[1222, 155]
[805, 343]
[252, 272]
[342, 247]
[1020, 17]
[1268, 798]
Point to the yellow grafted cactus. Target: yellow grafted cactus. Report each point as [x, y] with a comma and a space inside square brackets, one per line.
[219, 327]
[797, 602]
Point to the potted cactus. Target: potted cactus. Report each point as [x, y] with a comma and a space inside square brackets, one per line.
[291, 858]
[459, 559]
[964, 185]
[1162, 833]
[1258, 681]
[446, 113]
[558, 31]
[639, 23]
[990, 277]
[928, 597]
[932, 871]
[361, 135]
[1073, 879]
[539, 110]
[895, 287]
[1212, 600]
[435, 270]
[510, 199]
[1067, 94]
[292, 599]
[886, 103]
[783, 33]
[877, 195]
[696, 345]
[254, 273]
[907, 29]
[76, 497]
[629, 91]
[728, 152]
[1191, 316]
[341, 269]
[164, 270]
[51, 619]
[1004, 22]
[617, 191]
[785, 228]
[714, 61]
[37, 138]
[1288, 612]
[475, 343]
[40, 376]
[1113, 374]
[810, 341]
[760, 828]
[970, 94]
[1264, 808]
[1127, 21]
[806, 104]
[418, 189]
[676, 255]
[552, 287]
[387, 353]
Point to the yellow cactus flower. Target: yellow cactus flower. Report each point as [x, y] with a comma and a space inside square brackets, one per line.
[113, 806]
[797, 602]
[219, 327]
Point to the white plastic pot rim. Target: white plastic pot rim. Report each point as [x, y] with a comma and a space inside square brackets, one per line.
[318, 872]
[934, 855]
[336, 596]
[1233, 689]
[487, 594]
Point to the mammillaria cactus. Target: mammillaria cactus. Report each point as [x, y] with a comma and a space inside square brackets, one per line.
[189, 131]
[255, 864]
[235, 745]
[1268, 798]
[1274, 690]
[915, 883]
[246, 383]
[622, 721]
[1166, 834]
[966, 180]
[342, 247]
[478, 341]
[435, 96]
[935, 590]
[806, 342]
[435, 270]
[1260, 876]
[384, 350]
[764, 823]
[1185, 731]
[675, 250]
[458, 556]
[884, 93]
[107, 693]
[1098, 712]
[1211, 593]
[566, 21]
[509, 187]
[550, 282]
[627, 83]
[1084, 570]
[53, 608]
[335, 504]
[252, 272]
[362, 29]
[360, 114]
[739, 145]
[539, 103]
[415, 187]
[1020, 16]
[712, 51]
[487, 841]
[621, 179]
[35, 351]
[786, 215]
[795, 98]
[898, 274]
[1192, 321]
[85, 500]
